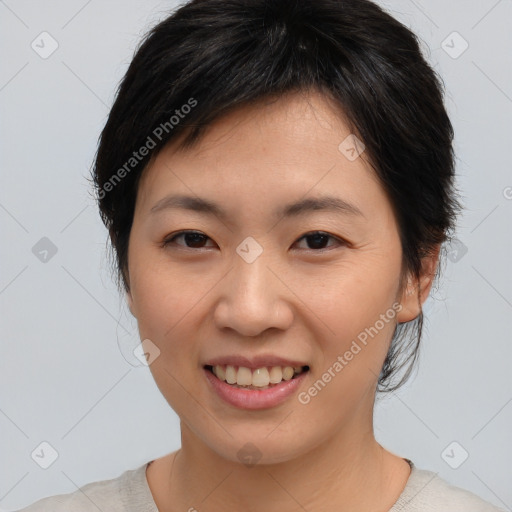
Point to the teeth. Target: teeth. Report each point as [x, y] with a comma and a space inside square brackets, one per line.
[230, 373]
[259, 378]
[221, 374]
[287, 372]
[244, 376]
[276, 374]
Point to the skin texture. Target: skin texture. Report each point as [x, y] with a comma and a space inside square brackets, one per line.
[295, 300]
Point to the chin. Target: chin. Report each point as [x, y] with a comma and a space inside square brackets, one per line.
[258, 450]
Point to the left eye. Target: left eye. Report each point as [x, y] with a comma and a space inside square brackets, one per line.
[319, 238]
[196, 239]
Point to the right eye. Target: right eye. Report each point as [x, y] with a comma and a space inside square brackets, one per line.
[193, 239]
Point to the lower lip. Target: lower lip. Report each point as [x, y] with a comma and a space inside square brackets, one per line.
[255, 398]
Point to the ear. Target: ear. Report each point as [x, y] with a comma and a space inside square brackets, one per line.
[416, 291]
[129, 301]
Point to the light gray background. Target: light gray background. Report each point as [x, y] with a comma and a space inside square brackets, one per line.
[67, 376]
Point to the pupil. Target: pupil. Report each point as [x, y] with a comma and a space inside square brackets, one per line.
[197, 238]
[318, 237]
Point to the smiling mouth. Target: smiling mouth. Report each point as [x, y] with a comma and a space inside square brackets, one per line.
[260, 378]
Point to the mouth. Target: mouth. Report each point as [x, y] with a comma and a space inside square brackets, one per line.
[262, 378]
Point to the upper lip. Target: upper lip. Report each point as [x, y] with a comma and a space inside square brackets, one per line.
[254, 362]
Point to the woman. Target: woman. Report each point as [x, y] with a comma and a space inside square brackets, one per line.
[277, 179]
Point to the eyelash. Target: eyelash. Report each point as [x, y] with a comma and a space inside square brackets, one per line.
[169, 240]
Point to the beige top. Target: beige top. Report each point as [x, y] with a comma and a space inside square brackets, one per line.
[130, 492]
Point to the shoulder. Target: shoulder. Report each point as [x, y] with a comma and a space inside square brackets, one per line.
[119, 494]
[425, 491]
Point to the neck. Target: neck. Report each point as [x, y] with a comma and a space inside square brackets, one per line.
[348, 472]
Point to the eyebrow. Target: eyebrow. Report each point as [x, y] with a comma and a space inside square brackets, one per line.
[197, 204]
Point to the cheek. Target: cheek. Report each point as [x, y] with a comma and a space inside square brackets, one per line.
[164, 304]
[363, 321]
[356, 308]
[353, 296]
[166, 317]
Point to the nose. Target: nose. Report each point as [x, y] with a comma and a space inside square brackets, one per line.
[253, 298]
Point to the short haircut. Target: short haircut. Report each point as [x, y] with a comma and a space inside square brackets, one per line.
[210, 57]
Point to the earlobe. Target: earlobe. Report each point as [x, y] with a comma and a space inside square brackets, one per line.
[129, 301]
[409, 302]
[417, 290]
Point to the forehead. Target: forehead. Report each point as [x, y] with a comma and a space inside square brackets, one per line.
[270, 152]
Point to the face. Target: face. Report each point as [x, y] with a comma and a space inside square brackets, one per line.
[261, 284]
